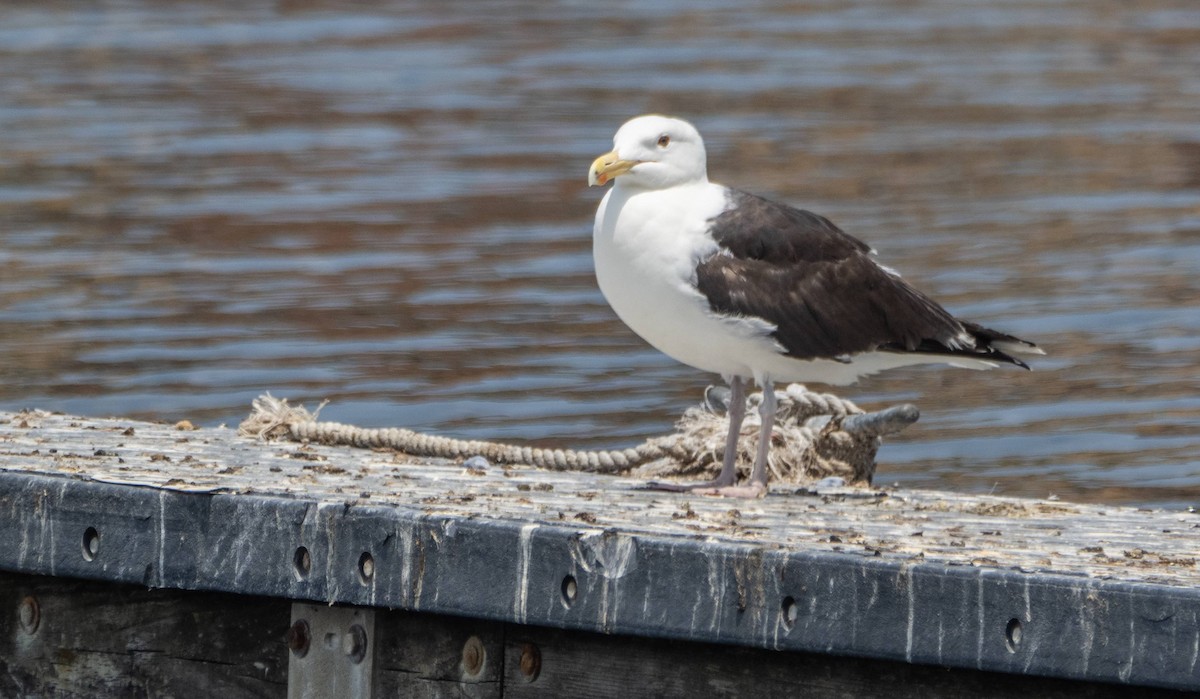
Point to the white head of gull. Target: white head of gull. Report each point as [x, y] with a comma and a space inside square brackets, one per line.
[741, 286]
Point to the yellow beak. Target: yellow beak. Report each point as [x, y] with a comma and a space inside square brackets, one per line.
[607, 167]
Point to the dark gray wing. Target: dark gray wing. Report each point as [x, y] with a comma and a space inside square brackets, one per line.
[822, 291]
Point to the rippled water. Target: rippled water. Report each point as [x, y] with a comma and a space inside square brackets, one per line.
[385, 206]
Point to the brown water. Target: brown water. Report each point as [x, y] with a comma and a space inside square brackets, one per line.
[385, 206]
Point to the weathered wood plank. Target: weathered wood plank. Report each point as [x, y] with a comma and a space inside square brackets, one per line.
[1093, 592]
[577, 664]
[423, 656]
[76, 638]
[72, 638]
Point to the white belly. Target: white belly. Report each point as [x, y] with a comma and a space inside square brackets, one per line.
[645, 265]
[675, 319]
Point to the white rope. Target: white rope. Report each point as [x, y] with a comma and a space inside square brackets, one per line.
[812, 436]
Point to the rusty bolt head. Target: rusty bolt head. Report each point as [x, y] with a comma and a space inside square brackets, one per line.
[531, 662]
[473, 655]
[298, 638]
[29, 615]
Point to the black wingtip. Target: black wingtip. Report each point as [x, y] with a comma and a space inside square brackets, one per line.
[1014, 361]
[999, 345]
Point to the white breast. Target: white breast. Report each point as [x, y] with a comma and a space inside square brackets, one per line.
[647, 245]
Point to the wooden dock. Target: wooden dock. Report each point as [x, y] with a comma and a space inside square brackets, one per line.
[147, 560]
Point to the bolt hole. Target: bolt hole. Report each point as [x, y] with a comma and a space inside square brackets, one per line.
[354, 644]
[366, 568]
[569, 590]
[789, 611]
[1012, 635]
[91, 543]
[301, 563]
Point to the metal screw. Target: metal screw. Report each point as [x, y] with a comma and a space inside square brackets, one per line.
[473, 655]
[354, 644]
[29, 615]
[531, 662]
[298, 638]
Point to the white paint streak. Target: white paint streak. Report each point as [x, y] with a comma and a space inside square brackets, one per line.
[941, 637]
[1031, 643]
[716, 588]
[333, 580]
[162, 535]
[602, 618]
[375, 586]
[1086, 628]
[48, 530]
[1126, 669]
[646, 590]
[775, 571]
[521, 603]
[1195, 647]
[62, 493]
[23, 551]
[979, 621]
[907, 572]
[406, 543]
[854, 617]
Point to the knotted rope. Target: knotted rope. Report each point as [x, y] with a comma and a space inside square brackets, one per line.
[816, 435]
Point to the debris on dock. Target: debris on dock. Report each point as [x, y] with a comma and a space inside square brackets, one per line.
[1078, 592]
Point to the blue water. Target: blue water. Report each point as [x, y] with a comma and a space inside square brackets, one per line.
[385, 206]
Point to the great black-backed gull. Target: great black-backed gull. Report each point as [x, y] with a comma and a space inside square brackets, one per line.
[748, 288]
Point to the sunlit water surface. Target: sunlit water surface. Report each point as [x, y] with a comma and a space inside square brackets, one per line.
[385, 206]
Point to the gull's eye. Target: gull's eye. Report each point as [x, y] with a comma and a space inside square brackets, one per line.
[664, 141]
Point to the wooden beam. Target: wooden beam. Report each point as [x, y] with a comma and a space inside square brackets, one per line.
[63, 637]
[99, 639]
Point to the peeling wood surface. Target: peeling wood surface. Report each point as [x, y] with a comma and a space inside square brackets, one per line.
[1114, 543]
[1047, 588]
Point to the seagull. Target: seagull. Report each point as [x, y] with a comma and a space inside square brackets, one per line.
[734, 284]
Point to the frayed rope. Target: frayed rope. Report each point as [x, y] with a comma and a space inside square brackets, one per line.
[816, 435]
